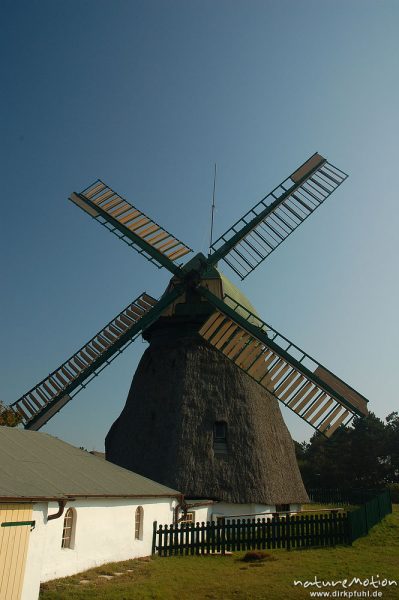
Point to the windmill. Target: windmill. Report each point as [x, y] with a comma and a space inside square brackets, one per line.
[203, 413]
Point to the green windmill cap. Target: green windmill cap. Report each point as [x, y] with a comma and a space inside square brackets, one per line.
[236, 294]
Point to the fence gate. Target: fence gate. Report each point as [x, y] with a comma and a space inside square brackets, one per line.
[15, 526]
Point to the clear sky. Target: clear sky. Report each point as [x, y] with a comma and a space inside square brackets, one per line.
[147, 95]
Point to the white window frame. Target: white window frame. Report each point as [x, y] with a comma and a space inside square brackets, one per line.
[68, 529]
[138, 523]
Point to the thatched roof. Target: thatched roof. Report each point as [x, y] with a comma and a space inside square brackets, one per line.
[165, 432]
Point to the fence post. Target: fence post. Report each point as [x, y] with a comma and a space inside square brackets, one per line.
[166, 540]
[201, 539]
[223, 536]
[213, 541]
[154, 536]
[287, 531]
[233, 529]
[160, 540]
[389, 495]
[365, 517]
[208, 537]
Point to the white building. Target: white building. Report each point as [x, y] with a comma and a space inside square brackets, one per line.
[63, 510]
[203, 510]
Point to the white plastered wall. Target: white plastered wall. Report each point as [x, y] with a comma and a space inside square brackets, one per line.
[224, 509]
[104, 531]
[244, 511]
[34, 559]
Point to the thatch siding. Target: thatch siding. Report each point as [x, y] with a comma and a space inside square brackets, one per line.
[165, 432]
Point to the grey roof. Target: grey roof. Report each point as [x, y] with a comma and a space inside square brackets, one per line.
[37, 465]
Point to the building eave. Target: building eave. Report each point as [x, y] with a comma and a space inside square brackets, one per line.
[83, 496]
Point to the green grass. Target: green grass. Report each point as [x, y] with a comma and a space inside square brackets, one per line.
[228, 578]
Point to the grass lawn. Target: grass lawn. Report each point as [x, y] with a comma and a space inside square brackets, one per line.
[227, 577]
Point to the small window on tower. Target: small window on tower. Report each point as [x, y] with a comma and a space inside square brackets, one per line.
[220, 437]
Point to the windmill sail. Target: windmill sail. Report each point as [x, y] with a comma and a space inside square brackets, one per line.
[261, 230]
[40, 403]
[131, 225]
[320, 398]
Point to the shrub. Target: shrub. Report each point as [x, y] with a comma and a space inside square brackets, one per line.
[8, 416]
[394, 489]
[256, 555]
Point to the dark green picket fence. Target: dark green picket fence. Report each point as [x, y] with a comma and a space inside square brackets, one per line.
[285, 531]
[249, 534]
[369, 514]
[341, 497]
[374, 505]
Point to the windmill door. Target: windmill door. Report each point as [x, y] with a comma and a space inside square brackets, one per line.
[15, 526]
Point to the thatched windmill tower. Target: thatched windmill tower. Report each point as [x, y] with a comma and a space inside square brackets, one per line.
[196, 421]
[202, 414]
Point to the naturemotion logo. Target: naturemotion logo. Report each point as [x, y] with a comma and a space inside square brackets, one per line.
[370, 587]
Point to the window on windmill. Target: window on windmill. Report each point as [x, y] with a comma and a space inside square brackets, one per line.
[220, 437]
[138, 523]
[68, 530]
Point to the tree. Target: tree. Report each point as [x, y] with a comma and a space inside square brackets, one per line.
[392, 429]
[369, 452]
[365, 455]
[8, 416]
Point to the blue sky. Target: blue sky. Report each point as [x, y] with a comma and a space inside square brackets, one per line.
[147, 96]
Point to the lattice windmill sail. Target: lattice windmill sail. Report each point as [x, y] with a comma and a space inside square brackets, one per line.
[197, 293]
[131, 225]
[44, 400]
[297, 380]
[249, 241]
